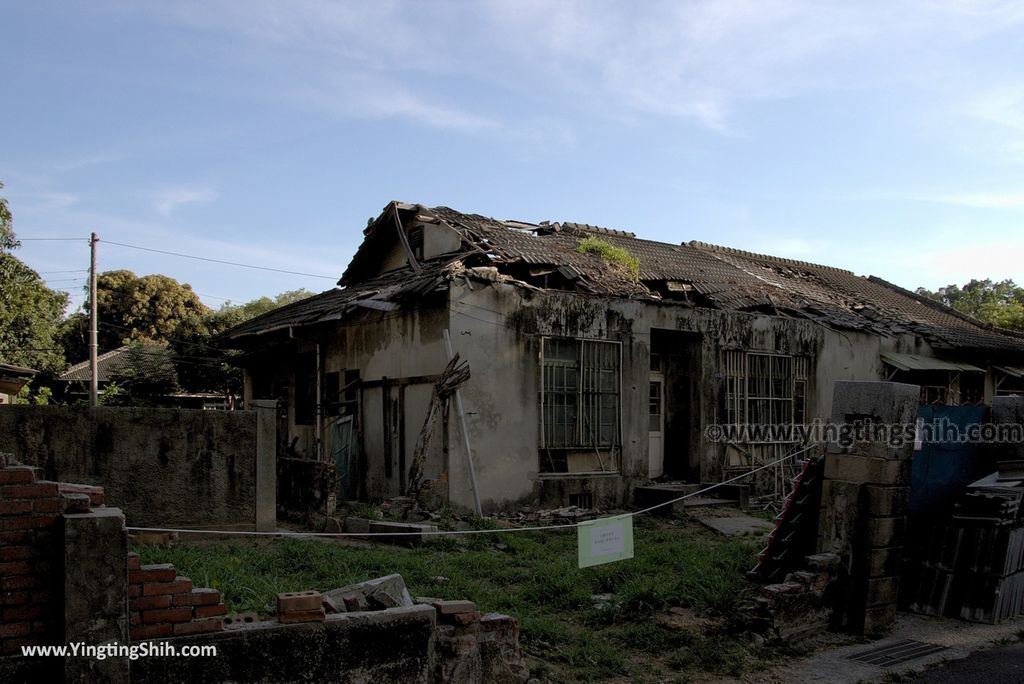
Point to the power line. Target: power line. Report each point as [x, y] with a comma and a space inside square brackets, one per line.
[52, 239]
[80, 270]
[218, 261]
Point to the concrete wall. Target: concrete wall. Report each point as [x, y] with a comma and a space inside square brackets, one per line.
[163, 467]
[396, 646]
[498, 329]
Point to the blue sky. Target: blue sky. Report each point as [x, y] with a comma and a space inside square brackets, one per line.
[887, 138]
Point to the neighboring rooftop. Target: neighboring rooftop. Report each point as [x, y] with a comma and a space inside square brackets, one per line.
[114, 363]
[698, 274]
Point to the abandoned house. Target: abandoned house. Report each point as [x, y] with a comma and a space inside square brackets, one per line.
[588, 377]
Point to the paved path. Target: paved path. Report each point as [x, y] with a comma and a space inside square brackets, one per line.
[1001, 665]
[961, 639]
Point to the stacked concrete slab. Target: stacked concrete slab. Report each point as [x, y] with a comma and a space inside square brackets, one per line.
[864, 496]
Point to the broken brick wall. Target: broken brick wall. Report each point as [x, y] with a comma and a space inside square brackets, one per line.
[31, 544]
[162, 603]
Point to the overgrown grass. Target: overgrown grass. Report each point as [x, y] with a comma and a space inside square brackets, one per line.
[534, 577]
[611, 254]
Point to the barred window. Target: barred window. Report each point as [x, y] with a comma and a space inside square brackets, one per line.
[579, 394]
[764, 388]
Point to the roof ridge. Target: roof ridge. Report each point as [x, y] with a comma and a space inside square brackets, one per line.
[708, 246]
[600, 230]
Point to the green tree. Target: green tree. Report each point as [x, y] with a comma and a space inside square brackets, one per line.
[202, 367]
[999, 303]
[30, 312]
[149, 307]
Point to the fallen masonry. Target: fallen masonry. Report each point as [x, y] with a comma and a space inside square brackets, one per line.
[64, 548]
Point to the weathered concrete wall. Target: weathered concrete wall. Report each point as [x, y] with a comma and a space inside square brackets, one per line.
[162, 466]
[395, 348]
[359, 648]
[498, 329]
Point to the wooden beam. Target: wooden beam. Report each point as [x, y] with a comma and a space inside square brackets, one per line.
[405, 242]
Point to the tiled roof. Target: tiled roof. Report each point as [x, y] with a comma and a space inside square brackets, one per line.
[707, 275]
[113, 363]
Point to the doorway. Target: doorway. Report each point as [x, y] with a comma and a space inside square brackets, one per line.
[676, 362]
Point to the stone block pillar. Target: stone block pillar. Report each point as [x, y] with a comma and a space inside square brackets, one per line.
[96, 592]
[864, 496]
[266, 465]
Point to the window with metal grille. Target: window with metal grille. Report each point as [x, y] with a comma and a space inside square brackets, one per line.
[579, 394]
[765, 389]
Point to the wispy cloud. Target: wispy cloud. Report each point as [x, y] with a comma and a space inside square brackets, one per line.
[168, 199]
[980, 200]
[75, 163]
[697, 60]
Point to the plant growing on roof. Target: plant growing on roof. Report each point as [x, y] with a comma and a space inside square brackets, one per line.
[611, 254]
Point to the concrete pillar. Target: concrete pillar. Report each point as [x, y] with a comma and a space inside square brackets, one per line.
[1008, 411]
[266, 465]
[864, 495]
[96, 593]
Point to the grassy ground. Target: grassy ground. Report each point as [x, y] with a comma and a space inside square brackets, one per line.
[567, 633]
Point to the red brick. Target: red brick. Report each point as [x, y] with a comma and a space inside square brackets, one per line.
[199, 626]
[134, 590]
[41, 627]
[302, 616]
[40, 596]
[143, 632]
[75, 503]
[13, 553]
[464, 618]
[211, 611]
[298, 601]
[23, 613]
[198, 597]
[20, 582]
[134, 563]
[181, 585]
[454, 607]
[29, 522]
[95, 494]
[48, 505]
[15, 568]
[15, 629]
[134, 619]
[150, 602]
[152, 617]
[17, 537]
[15, 507]
[153, 573]
[17, 475]
[14, 598]
[31, 491]
[13, 646]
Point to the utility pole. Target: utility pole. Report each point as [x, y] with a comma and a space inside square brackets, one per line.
[94, 397]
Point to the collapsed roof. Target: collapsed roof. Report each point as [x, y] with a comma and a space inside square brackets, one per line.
[547, 256]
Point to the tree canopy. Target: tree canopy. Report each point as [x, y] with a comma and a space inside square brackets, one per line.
[149, 307]
[999, 303]
[30, 312]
